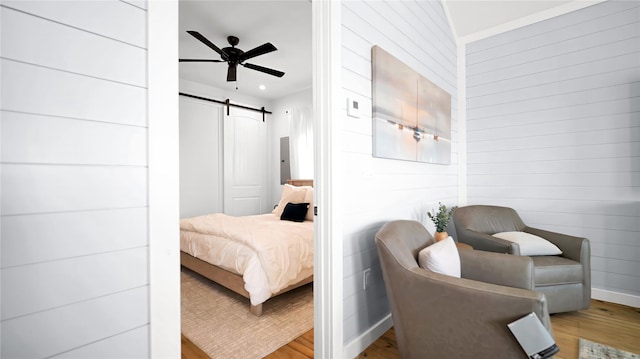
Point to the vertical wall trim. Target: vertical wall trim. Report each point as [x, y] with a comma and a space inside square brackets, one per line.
[327, 49]
[164, 262]
[462, 124]
[0, 188]
[445, 6]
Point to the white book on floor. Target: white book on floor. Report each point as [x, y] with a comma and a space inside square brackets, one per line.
[533, 337]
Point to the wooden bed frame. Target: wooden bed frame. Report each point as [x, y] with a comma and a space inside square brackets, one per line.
[234, 281]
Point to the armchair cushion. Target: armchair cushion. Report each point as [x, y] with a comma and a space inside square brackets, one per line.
[556, 270]
[530, 244]
[441, 257]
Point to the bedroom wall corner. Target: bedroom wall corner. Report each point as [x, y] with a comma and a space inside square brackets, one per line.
[280, 127]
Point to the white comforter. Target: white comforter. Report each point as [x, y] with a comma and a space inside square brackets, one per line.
[269, 253]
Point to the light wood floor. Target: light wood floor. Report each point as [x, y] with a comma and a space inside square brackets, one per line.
[606, 323]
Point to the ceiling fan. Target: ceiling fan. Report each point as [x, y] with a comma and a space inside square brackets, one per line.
[234, 56]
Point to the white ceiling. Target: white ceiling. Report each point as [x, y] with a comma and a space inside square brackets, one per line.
[471, 16]
[287, 25]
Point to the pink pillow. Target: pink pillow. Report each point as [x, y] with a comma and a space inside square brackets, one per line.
[290, 194]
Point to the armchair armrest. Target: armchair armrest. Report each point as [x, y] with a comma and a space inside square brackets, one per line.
[487, 242]
[426, 298]
[498, 268]
[576, 248]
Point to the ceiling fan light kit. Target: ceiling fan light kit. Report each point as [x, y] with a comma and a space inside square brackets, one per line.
[234, 56]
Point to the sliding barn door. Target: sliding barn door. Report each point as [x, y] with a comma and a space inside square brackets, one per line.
[245, 163]
[201, 187]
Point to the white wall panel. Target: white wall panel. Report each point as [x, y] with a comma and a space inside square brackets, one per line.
[556, 127]
[620, 283]
[618, 106]
[559, 140]
[595, 194]
[34, 89]
[555, 63]
[619, 252]
[73, 176]
[75, 325]
[62, 47]
[576, 98]
[65, 141]
[527, 52]
[93, 16]
[47, 285]
[608, 65]
[553, 131]
[53, 188]
[378, 190]
[577, 85]
[125, 345]
[609, 150]
[28, 239]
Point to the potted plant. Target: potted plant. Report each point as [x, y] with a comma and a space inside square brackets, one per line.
[441, 219]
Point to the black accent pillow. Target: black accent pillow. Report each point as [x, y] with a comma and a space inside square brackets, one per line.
[295, 212]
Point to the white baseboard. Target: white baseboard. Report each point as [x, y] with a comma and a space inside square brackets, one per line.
[616, 297]
[359, 344]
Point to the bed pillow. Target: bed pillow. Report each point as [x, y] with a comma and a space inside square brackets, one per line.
[530, 245]
[308, 198]
[290, 194]
[441, 257]
[295, 212]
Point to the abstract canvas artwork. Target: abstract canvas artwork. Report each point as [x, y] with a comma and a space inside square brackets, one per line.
[411, 115]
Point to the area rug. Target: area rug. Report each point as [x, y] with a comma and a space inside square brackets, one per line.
[219, 322]
[593, 350]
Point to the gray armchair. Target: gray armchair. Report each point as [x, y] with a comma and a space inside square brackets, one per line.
[564, 279]
[438, 316]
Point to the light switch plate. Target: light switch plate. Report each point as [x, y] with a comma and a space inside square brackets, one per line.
[353, 108]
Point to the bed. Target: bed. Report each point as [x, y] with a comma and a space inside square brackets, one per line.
[258, 256]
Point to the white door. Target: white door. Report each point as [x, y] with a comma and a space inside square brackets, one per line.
[245, 163]
[201, 187]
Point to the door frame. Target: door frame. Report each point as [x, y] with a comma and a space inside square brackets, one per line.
[163, 177]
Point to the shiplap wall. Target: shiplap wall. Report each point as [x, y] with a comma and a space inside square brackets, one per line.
[379, 190]
[73, 125]
[553, 130]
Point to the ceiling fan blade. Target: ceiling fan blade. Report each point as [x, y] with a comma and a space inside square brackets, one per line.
[260, 50]
[264, 69]
[199, 60]
[204, 40]
[231, 73]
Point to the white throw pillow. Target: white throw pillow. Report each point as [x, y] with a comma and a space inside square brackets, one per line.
[290, 194]
[441, 257]
[530, 244]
